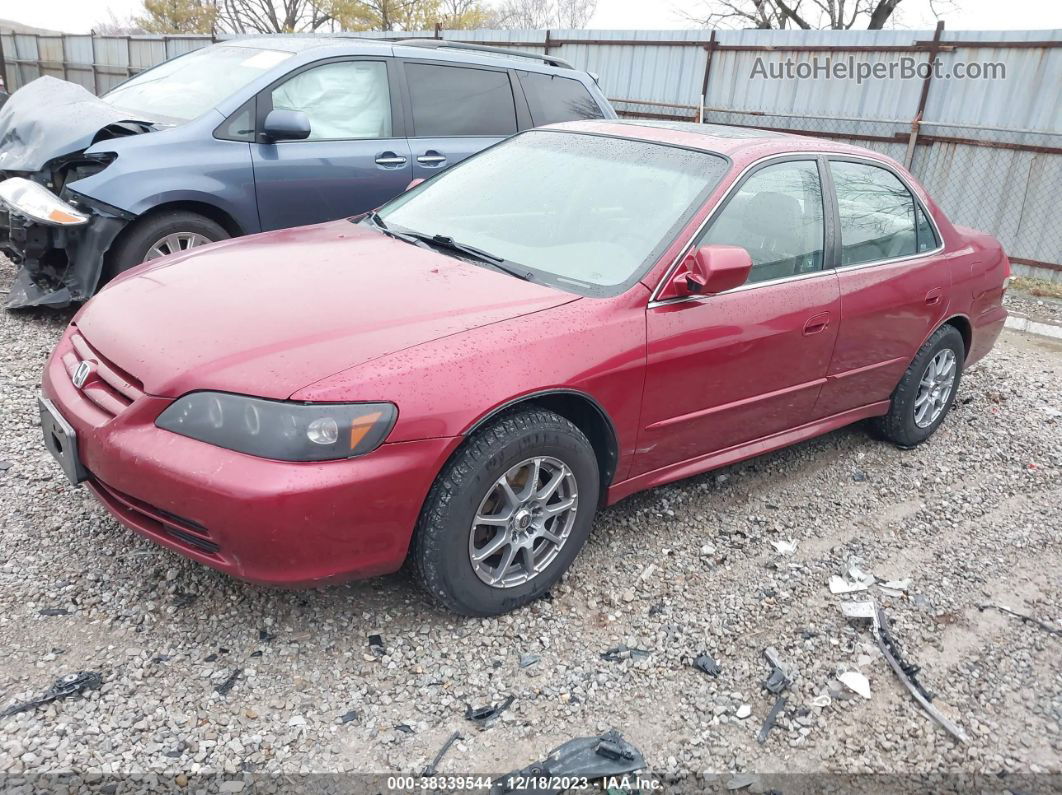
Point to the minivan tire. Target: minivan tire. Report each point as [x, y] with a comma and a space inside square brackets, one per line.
[136, 240]
[441, 551]
[900, 426]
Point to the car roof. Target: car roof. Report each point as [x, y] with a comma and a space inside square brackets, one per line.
[738, 143]
[340, 44]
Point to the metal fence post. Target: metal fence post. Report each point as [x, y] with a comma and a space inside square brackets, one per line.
[916, 122]
[546, 45]
[3, 63]
[709, 51]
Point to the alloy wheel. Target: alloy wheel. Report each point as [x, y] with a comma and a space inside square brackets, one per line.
[175, 242]
[523, 522]
[934, 388]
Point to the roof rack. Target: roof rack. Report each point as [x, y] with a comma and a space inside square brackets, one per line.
[438, 44]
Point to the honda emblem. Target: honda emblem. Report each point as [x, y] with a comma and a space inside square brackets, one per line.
[81, 374]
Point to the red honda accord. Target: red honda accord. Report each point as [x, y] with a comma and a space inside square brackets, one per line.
[462, 378]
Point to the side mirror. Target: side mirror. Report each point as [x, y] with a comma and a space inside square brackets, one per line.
[709, 270]
[286, 125]
[414, 183]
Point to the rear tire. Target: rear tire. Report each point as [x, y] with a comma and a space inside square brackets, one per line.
[529, 449]
[927, 390]
[146, 238]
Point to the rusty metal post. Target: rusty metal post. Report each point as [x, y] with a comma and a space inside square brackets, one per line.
[916, 122]
[95, 72]
[3, 63]
[548, 44]
[438, 30]
[709, 51]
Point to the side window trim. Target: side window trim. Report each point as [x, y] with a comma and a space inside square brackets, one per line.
[796, 157]
[264, 98]
[407, 96]
[919, 205]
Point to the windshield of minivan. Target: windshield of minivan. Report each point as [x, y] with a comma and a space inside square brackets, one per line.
[188, 86]
[586, 213]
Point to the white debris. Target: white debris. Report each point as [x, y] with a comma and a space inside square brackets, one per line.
[784, 547]
[840, 585]
[858, 610]
[895, 588]
[856, 682]
[821, 700]
[743, 711]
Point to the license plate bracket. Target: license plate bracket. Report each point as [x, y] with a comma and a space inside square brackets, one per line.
[61, 440]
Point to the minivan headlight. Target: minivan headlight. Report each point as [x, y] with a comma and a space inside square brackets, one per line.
[280, 429]
[38, 203]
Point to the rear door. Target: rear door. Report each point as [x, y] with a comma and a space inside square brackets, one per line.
[356, 157]
[726, 369]
[894, 286]
[455, 110]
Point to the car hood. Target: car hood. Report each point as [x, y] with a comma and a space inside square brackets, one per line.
[50, 118]
[270, 314]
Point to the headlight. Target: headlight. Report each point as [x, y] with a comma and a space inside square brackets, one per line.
[38, 203]
[279, 429]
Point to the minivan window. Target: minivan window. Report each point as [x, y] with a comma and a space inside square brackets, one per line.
[342, 100]
[455, 100]
[877, 213]
[187, 87]
[776, 215]
[584, 213]
[554, 99]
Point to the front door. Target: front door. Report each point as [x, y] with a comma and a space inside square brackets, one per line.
[726, 369]
[894, 288]
[356, 156]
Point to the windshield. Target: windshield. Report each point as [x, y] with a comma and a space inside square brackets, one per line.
[586, 213]
[189, 86]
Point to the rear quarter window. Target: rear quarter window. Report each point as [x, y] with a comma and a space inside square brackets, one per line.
[553, 99]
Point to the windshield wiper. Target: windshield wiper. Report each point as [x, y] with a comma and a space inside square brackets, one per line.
[377, 222]
[499, 263]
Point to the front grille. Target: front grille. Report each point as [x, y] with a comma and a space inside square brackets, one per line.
[108, 387]
[156, 521]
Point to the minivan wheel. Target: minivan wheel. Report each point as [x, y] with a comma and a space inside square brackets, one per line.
[927, 390]
[508, 514]
[160, 235]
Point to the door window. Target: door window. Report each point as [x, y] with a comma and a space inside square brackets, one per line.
[343, 100]
[554, 99]
[776, 215]
[877, 213]
[455, 100]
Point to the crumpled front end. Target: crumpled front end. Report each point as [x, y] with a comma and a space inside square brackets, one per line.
[56, 235]
[59, 262]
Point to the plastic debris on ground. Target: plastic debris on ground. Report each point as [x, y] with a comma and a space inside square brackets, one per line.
[485, 716]
[527, 660]
[784, 547]
[63, 687]
[224, 688]
[433, 766]
[705, 662]
[858, 580]
[592, 758]
[906, 672]
[376, 645]
[856, 682]
[781, 676]
[622, 652]
[1025, 619]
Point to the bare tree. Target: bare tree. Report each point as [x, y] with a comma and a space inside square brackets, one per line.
[803, 14]
[271, 16]
[538, 14]
[112, 26]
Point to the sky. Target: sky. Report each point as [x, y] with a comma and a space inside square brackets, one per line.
[78, 16]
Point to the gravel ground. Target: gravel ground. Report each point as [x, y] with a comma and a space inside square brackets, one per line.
[1047, 310]
[971, 516]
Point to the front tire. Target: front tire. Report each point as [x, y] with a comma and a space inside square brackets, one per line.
[507, 515]
[927, 390]
[159, 235]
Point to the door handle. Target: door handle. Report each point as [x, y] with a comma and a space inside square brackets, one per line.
[431, 158]
[933, 296]
[817, 323]
[390, 159]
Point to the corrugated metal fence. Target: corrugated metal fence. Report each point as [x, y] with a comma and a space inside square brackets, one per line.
[989, 150]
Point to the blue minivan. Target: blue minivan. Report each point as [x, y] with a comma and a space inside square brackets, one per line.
[246, 136]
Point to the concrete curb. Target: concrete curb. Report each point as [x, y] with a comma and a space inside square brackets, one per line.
[1038, 327]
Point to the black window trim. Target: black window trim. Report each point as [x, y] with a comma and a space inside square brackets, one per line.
[264, 100]
[520, 106]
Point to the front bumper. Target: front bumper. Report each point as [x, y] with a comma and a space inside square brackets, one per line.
[59, 265]
[273, 522]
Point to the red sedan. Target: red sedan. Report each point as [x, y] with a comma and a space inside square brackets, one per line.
[463, 377]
